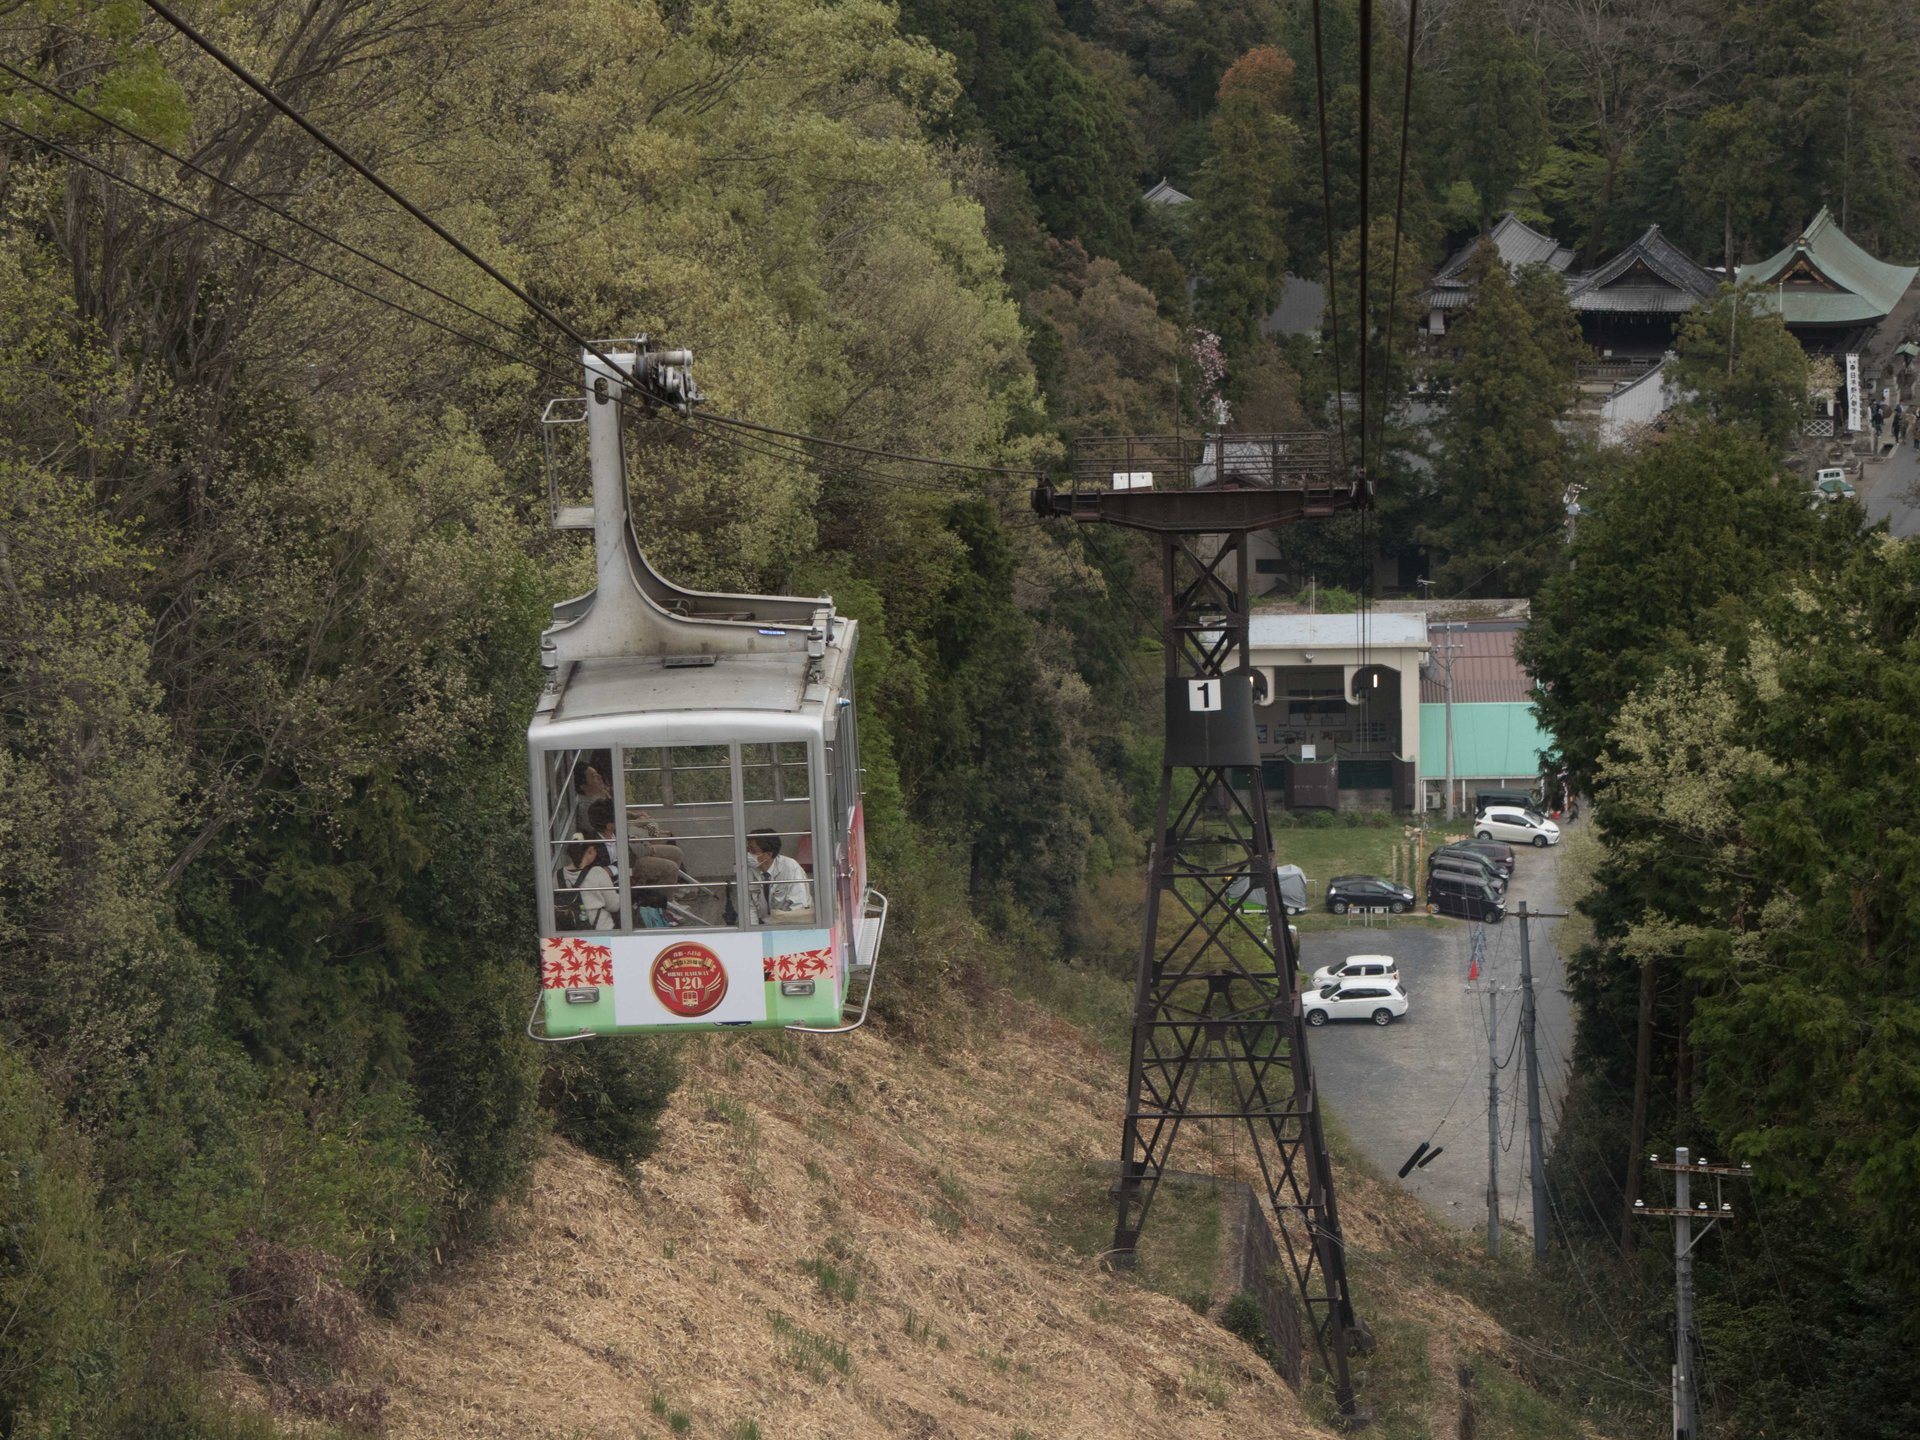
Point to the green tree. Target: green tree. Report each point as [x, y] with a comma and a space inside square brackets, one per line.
[1503, 468]
[1496, 109]
[1070, 135]
[1241, 196]
[1702, 520]
[1739, 365]
[1729, 147]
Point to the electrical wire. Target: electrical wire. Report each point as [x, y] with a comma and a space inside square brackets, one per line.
[1573, 1254]
[1387, 1271]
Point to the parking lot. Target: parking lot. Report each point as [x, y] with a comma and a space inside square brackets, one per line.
[1389, 1088]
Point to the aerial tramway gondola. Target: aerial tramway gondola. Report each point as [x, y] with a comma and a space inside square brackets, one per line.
[680, 737]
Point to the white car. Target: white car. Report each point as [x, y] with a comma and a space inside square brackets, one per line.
[1516, 827]
[1356, 967]
[1376, 1000]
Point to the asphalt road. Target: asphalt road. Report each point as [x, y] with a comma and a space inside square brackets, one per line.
[1888, 490]
[1425, 1075]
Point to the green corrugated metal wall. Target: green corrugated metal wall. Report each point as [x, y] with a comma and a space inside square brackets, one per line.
[1488, 740]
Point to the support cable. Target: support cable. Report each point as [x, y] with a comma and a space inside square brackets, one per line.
[1366, 147]
[267, 247]
[783, 454]
[1399, 204]
[243, 193]
[1326, 210]
[739, 424]
[335, 148]
[291, 112]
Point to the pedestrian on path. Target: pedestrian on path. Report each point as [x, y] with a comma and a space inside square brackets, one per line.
[1899, 423]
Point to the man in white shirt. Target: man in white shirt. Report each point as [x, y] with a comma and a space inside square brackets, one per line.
[781, 892]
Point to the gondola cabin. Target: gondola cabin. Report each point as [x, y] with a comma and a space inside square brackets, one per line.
[700, 861]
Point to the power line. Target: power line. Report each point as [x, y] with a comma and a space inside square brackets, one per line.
[1627, 1382]
[1573, 1255]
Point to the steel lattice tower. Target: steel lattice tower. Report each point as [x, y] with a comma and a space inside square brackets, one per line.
[1218, 1032]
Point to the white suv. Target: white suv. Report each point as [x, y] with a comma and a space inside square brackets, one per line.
[1516, 827]
[1356, 967]
[1376, 1000]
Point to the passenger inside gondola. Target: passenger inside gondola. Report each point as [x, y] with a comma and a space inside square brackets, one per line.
[592, 770]
[655, 865]
[588, 897]
[782, 894]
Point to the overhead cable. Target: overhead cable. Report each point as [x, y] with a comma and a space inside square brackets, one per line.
[1326, 210]
[265, 204]
[266, 92]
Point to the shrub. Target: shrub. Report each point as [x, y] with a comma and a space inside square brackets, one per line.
[57, 1356]
[1241, 1316]
[606, 1096]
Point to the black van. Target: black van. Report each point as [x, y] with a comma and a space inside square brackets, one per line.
[1463, 898]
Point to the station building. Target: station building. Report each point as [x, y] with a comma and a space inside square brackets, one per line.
[1352, 715]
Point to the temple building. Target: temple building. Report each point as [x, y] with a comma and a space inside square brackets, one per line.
[1632, 305]
[1517, 244]
[1831, 292]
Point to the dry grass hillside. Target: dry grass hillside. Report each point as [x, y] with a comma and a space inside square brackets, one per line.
[848, 1238]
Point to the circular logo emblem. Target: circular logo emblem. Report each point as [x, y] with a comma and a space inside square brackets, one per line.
[689, 979]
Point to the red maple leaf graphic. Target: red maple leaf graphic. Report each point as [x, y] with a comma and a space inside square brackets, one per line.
[573, 963]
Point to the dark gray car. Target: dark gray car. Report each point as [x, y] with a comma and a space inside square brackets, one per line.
[1460, 862]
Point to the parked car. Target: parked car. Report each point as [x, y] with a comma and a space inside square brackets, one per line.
[1498, 851]
[1465, 862]
[1376, 1000]
[1367, 892]
[1521, 827]
[1356, 967]
[1461, 898]
[1831, 486]
[1516, 799]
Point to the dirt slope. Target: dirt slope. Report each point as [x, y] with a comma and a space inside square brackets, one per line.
[818, 1194]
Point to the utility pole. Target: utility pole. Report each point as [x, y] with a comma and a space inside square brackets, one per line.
[1536, 1143]
[1683, 1212]
[1493, 1120]
[1492, 990]
[1445, 649]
